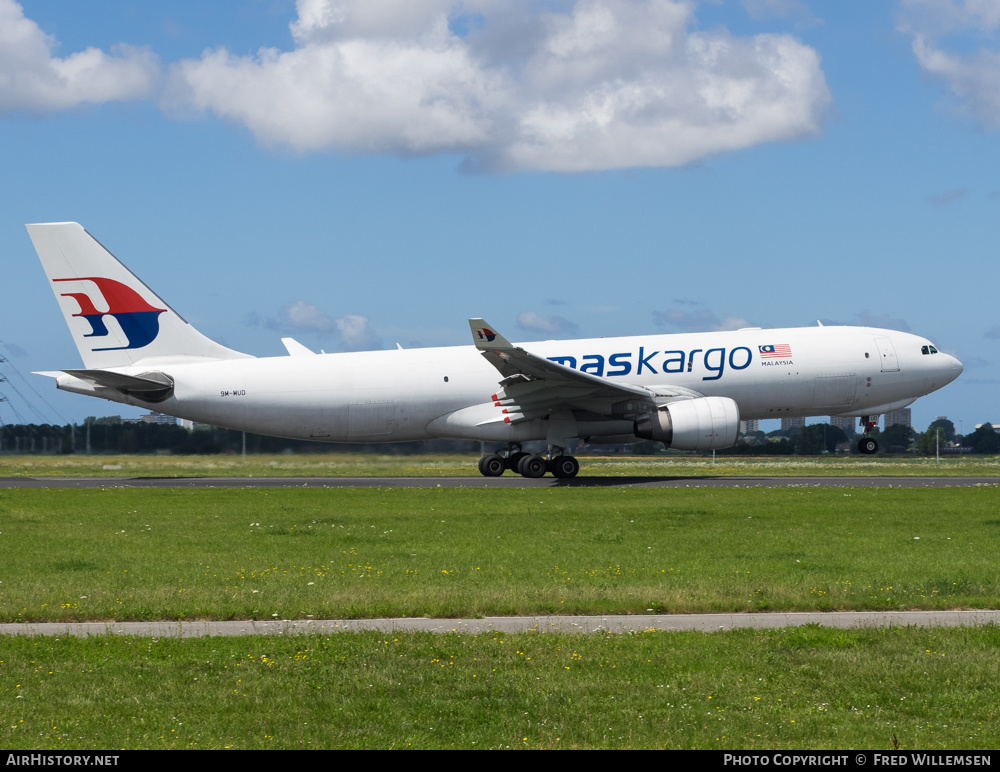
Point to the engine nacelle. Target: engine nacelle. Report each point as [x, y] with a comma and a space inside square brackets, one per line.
[705, 423]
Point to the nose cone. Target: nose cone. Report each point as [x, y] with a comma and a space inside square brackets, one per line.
[951, 366]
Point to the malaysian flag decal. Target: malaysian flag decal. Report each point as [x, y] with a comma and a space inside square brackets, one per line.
[775, 350]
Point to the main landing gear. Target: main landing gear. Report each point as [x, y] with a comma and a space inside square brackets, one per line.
[529, 465]
[868, 444]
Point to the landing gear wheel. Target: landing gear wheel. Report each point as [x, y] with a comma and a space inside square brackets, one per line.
[514, 459]
[867, 445]
[532, 466]
[492, 465]
[565, 466]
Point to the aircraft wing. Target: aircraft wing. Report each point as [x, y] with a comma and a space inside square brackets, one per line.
[533, 386]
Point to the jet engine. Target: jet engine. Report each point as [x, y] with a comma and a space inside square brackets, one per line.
[704, 423]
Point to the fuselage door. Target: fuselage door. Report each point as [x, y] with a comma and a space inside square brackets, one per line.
[887, 355]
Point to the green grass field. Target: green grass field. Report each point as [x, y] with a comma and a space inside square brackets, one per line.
[775, 689]
[421, 465]
[330, 553]
[294, 553]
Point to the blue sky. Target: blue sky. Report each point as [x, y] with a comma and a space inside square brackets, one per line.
[357, 173]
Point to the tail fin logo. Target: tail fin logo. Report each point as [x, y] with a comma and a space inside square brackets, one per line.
[487, 334]
[137, 319]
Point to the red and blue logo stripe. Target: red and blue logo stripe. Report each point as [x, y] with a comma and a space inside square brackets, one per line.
[137, 319]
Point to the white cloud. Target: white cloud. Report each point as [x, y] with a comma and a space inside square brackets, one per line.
[529, 320]
[700, 320]
[33, 80]
[973, 79]
[305, 316]
[605, 84]
[359, 80]
[352, 332]
[357, 334]
[942, 17]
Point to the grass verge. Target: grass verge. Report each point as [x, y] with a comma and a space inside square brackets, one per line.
[131, 554]
[776, 689]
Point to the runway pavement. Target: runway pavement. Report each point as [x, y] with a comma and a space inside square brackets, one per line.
[560, 624]
[506, 481]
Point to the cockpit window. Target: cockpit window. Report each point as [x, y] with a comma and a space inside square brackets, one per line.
[928, 350]
[933, 350]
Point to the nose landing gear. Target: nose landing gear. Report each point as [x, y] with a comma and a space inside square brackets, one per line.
[868, 444]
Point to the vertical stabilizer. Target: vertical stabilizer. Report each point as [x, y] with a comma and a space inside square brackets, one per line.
[114, 318]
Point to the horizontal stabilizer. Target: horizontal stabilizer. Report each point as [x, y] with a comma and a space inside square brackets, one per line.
[150, 387]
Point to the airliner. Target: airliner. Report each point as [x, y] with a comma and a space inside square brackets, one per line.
[688, 391]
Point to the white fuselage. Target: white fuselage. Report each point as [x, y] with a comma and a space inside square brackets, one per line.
[418, 394]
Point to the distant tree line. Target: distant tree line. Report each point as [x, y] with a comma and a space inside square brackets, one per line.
[817, 439]
[112, 435]
[940, 437]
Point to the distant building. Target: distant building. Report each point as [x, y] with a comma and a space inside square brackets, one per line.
[901, 416]
[792, 423]
[747, 427]
[846, 422]
[159, 418]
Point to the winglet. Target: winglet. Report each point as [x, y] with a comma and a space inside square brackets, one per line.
[486, 337]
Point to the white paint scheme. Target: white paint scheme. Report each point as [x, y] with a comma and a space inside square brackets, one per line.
[462, 392]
